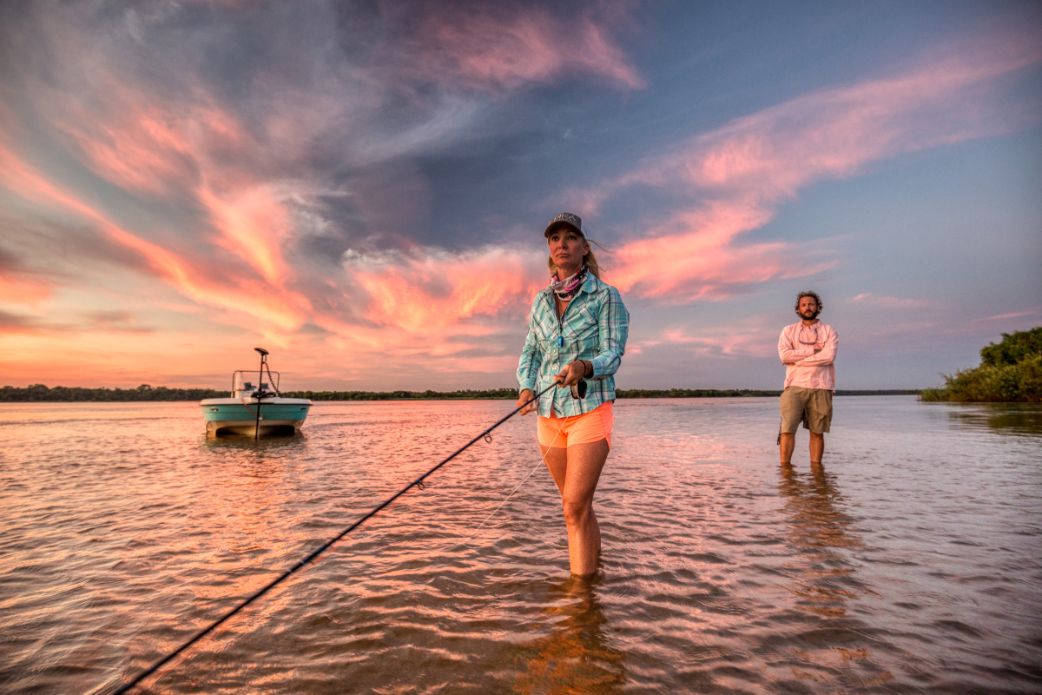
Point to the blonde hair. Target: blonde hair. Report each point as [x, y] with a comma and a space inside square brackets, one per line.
[589, 260]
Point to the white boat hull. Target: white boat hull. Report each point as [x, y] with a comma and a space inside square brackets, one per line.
[278, 415]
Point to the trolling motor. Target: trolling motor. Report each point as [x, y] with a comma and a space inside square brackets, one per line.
[261, 392]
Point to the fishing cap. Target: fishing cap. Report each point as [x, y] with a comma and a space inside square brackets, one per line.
[567, 219]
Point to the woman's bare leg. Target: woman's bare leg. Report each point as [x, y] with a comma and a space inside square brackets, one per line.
[583, 470]
[556, 460]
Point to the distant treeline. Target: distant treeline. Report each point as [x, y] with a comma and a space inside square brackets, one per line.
[511, 394]
[39, 392]
[1010, 371]
[749, 393]
[464, 395]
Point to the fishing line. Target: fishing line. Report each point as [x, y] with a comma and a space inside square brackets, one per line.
[518, 486]
[418, 483]
[578, 391]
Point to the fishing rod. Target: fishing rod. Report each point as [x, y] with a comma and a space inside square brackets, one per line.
[418, 483]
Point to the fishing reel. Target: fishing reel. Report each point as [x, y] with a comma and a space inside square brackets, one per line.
[579, 389]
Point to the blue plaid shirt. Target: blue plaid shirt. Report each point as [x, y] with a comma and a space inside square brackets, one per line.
[594, 327]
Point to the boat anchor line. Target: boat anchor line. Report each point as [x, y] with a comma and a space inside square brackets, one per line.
[417, 483]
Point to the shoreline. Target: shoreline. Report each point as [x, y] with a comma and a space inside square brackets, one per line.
[73, 394]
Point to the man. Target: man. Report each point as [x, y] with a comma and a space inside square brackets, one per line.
[807, 348]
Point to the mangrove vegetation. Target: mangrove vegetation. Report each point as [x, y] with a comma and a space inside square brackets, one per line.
[1010, 371]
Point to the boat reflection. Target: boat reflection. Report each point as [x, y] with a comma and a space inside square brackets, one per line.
[578, 655]
[277, 443]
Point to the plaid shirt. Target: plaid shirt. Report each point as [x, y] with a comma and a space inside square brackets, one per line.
[594, 327]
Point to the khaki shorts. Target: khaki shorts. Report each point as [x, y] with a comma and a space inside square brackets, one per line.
[812, 407]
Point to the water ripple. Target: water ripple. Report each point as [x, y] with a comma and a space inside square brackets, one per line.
[910, 563]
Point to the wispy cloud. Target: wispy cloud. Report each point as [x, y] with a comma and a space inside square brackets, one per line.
[949, 97]
[889, 302]
[19, 284]
[737, 176]
[693, 256]
[436, 290]
[240, 295]
[275, 191]
[1034, 312]
[740, 339]
[502, 47]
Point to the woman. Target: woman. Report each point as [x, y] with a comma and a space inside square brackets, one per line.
[577, 330]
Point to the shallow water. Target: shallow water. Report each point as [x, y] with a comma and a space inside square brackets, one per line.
[912, 562]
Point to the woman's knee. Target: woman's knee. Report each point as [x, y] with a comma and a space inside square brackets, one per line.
[577, 511]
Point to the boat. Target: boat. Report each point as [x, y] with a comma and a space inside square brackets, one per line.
[254, 410]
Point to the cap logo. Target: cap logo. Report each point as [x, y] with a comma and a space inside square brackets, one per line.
[568, 218]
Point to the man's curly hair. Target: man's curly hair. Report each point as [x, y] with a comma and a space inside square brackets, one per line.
[809, 293]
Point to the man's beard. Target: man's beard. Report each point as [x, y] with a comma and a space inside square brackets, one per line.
[813, 315]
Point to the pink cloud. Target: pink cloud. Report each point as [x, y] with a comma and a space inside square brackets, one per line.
[23, 289]
[251, 223]
[716, 273]
[437, 291]
[749, 167]
[390, 308]
[693, 255]
[146, 145]
[499, 47]
[144, 154]
[245, 296]
[439, 305]
[836, 132]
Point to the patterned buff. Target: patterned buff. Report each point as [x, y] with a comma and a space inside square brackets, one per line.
[567, 288]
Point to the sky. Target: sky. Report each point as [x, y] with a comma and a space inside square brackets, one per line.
[361, 187]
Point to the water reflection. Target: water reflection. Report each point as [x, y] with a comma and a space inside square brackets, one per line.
[577, 656]
[118, 541]
[247, 487]
[266, 443]
[818, 529]
[1012, 418]
[831, 645]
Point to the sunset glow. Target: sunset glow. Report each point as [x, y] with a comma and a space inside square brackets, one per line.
[366, 197]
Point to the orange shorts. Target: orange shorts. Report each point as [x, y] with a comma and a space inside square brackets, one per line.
[589, 427]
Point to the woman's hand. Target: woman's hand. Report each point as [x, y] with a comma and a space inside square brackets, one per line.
[575, 372]
[523, 400]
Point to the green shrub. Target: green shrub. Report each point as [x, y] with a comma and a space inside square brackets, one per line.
[1009, 371]
[1014, 348]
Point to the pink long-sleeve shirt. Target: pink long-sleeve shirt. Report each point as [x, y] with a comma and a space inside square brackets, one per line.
[804, 367]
